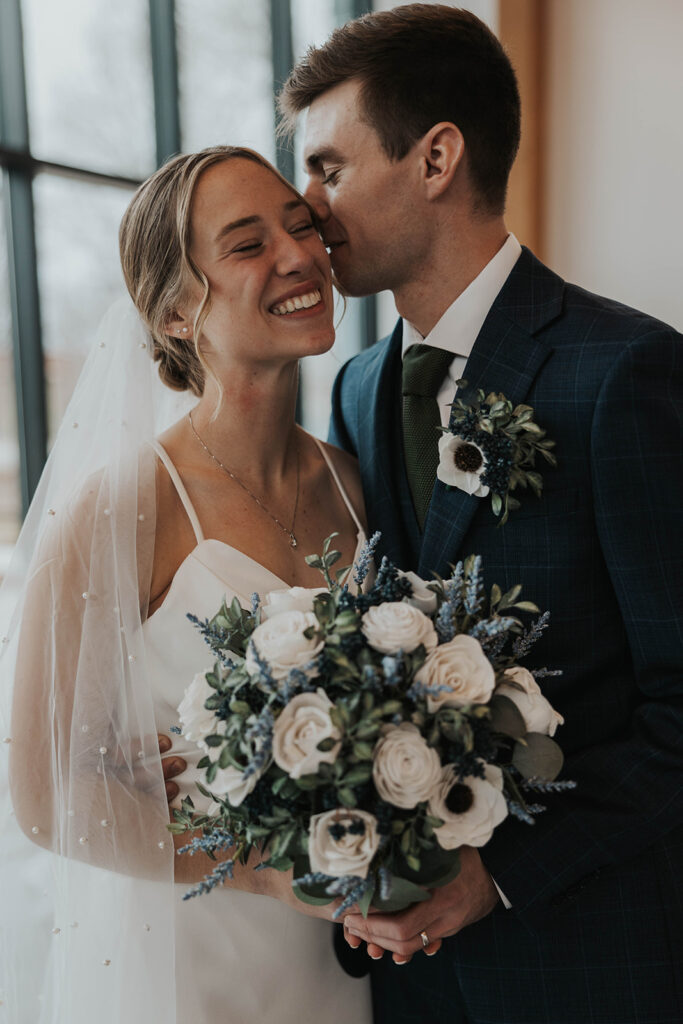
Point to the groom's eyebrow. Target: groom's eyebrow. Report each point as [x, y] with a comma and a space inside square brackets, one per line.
[244, 222]
[314, 160]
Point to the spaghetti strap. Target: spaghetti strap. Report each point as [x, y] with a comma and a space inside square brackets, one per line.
[180, 488]
[340, 486]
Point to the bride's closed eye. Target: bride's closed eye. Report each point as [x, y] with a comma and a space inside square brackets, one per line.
[301, 228]
[330, 178]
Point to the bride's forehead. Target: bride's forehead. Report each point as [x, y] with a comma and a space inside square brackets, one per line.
[238, 178]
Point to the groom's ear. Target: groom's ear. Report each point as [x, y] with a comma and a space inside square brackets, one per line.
[442, 150]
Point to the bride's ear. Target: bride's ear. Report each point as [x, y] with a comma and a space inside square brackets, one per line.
[179, 327]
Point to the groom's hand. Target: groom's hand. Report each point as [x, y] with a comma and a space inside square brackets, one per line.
[171, 767]
[469, 897]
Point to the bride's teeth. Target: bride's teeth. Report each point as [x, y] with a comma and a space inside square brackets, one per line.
[297, 302]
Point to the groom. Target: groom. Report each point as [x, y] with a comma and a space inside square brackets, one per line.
[412, 127]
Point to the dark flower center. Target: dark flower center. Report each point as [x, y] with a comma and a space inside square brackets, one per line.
[460, 798]
[468, 458]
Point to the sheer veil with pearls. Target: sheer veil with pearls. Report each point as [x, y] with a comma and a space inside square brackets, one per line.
[86, 861]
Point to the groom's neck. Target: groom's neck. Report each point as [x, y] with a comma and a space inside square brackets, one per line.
[457, 255]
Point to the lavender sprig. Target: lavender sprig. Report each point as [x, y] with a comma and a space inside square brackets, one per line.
[362, 566]
[525, 642]
[217, 877]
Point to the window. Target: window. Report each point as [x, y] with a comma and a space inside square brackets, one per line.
[93, 96]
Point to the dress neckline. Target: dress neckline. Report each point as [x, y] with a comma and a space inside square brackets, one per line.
[279, 583]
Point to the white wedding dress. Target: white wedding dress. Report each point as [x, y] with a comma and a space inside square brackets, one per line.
[239, 957]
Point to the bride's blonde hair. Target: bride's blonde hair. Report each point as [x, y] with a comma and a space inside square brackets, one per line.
[154, 242]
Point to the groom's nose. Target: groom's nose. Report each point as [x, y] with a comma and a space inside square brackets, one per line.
[315, 195]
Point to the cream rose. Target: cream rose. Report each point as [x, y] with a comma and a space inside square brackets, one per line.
[537, 712]
[462, 667]
[231, 783]
[396, 626]
[303, 723]
[293, 599]
[196, 722]
[405, 770]
[342, 842]
[281, 642]
[470, 809]
[422, 597]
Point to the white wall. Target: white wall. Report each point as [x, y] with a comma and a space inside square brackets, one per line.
[614, 150]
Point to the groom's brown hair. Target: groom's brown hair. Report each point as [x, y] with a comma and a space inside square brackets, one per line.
[418, 65]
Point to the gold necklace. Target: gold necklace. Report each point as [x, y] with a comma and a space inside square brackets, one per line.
[233, 476]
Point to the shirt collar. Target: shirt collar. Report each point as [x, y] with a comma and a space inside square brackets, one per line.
[459, 326]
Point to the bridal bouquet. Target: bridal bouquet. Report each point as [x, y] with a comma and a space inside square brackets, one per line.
[361, 738]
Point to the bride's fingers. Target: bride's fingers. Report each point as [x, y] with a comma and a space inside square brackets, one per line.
[433, 947]
[172, 766]
[172, 790]
[353, 940]
[164, 743]
[375, 952]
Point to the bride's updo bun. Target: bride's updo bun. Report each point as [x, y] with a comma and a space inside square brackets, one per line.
[154, 242]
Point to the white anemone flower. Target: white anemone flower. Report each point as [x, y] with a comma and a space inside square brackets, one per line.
[462, 464]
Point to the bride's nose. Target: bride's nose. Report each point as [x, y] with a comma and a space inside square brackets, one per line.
[292, 255]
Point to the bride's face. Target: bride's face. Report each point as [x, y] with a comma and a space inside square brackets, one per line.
[268, 271]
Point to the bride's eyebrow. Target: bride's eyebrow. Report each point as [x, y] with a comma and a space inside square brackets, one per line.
[244, 222]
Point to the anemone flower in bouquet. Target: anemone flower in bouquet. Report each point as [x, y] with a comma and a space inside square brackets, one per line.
[359, 737]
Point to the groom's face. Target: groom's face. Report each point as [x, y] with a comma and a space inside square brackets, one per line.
[367, 204]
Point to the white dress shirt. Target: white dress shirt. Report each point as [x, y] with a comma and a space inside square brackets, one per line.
[459, 326]
[457, 332]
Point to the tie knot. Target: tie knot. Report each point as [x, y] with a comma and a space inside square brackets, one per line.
[424, 368]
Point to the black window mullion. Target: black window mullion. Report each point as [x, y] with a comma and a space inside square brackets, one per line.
[165, 75]
[346, 10]
[23, 273]
[282, 51]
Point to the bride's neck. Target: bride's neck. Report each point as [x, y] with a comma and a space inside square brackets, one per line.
[253, 430]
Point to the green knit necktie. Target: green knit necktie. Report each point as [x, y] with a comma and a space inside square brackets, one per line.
[424, 369]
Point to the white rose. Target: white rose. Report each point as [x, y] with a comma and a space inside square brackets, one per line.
[537, 712]
[349, 852]
[281, 642]
[422, 597]
[231, 783]
[396, 626]
[293, 599]
[461, 465]
[196, 722]
[462, 667]
[470, 809]
[303, 723]
[405, 770]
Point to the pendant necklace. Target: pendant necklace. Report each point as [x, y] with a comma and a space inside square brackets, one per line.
[233, 476]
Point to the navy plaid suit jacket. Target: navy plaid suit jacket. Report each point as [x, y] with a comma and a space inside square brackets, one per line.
[596, 929]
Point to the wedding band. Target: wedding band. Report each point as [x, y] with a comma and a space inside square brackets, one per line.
[425, 939]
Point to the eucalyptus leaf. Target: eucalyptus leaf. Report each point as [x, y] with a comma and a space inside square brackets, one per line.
[537, 756]
[357, 775]
[506, 717]
[403, 894]
[326, 744]
[366, 899]
[347, 797]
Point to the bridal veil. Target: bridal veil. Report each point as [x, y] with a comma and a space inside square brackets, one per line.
[86, 861]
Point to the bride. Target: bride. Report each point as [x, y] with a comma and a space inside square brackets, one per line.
[132, 528]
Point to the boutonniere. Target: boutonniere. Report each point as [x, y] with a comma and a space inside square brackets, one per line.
[490, 447]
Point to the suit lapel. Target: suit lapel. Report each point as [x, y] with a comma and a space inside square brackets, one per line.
[506, 357]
